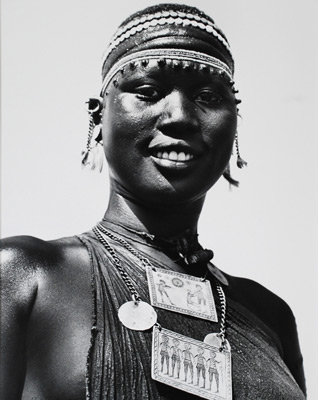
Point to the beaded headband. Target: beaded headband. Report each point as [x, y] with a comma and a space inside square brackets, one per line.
[162, 55]
[163, 18]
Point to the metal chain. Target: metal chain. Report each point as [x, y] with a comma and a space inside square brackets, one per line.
[99, 228]
[144, 260]
[91, 127]
[123, 273]
[223, 316]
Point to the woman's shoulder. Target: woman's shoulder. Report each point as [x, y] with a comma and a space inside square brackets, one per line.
[29, 252]
[259, 299]
[27, 258]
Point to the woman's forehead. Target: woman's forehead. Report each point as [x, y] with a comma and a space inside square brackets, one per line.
[170, 71]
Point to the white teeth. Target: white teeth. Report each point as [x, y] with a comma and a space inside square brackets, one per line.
[181, 156]
[174, 156]
[165, 155]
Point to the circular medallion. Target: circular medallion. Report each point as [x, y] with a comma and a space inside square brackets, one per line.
[213, 339]
[138, 316]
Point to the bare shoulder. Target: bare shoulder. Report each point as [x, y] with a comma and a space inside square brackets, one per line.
[27, 259]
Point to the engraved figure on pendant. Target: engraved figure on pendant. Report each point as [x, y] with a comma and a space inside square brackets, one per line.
[200, 366]
[163, 292]
[197, 298]
[213, 370]
[175, 358]
[187, 362]
[164, 352]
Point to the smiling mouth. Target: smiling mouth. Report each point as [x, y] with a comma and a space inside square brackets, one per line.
[176, 156]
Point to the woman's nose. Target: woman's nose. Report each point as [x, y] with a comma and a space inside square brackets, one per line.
[179, 114]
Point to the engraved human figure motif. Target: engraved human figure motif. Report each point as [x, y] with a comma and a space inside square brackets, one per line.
[197, 298]
[187, 361]
[175, 358]
[199, 295]
[163, 292]
[213, 370]
[164, 352]
[200, 366]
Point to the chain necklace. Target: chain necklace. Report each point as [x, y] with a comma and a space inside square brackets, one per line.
[212, 355]
[100, 229]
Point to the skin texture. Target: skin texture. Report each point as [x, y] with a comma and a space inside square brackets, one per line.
[46, 286]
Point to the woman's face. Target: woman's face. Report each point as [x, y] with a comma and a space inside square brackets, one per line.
[167, 132]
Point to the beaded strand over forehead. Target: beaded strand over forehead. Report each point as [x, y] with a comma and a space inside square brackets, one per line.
[162, 55]
[163, 18]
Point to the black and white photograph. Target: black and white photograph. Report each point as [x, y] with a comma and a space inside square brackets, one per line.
[159, 207]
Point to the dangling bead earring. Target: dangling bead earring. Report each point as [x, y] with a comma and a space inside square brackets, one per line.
[239, 161]
[228, 177]
[93, 156]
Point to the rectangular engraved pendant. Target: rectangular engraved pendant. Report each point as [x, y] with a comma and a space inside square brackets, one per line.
[181, 293]
[190, 365]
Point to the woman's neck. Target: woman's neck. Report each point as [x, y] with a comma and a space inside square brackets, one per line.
[165, 222]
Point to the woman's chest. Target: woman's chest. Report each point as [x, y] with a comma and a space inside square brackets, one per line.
[59, 338]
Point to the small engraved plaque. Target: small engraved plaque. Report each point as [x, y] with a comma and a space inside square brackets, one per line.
[181, 293]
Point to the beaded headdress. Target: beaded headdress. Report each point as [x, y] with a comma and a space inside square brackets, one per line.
[168, 32]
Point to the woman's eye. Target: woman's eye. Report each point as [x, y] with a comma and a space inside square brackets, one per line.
[147, 92]
[208, 97]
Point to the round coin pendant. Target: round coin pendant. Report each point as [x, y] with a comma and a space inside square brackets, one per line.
[213, 339]
[138, 316]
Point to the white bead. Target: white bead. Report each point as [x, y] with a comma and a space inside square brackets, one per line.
[178, 21]
[181, 14]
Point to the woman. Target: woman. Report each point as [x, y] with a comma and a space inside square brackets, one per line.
[89, 315]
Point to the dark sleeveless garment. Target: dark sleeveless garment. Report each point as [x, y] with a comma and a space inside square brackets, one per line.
[119, 360]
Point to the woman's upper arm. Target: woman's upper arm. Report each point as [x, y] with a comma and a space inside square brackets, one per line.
[18, 292]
